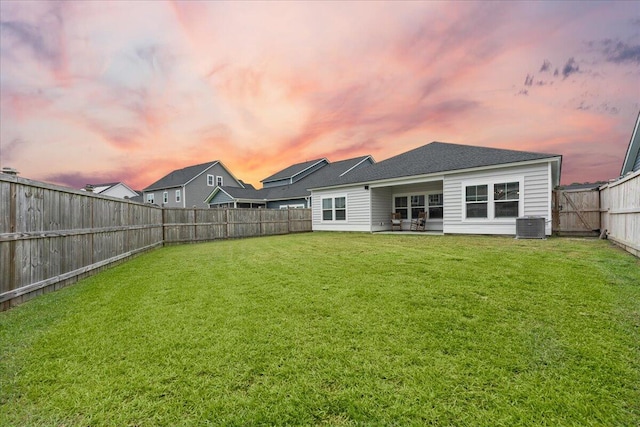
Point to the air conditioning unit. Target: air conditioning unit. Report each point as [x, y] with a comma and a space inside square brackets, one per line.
[530, 227]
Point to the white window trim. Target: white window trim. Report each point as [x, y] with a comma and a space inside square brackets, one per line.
[333, 219]
[165, 197]
[178, 196]
[219, 181]
[491, 211]
[211, 180]
[150, 198]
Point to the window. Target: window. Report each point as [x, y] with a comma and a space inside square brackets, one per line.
[477, 201]
[409, 207]
[178, 196]
[165, 197]
[219, 181]
[435, 206]
[506, 197]
[327, 209]
[401, 207]
[341, 208]
[210, 180]
[334, 209]
[150, 198]
[417, 206]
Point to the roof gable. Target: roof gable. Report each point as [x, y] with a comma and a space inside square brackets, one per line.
[632, 158]
[181, 177]
[292, 171]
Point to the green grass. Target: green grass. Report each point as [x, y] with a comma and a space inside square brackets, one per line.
[335, 329]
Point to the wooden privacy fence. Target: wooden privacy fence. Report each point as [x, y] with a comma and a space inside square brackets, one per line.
[52, 236]
[197, 225]
[576, 212]
[620, 208]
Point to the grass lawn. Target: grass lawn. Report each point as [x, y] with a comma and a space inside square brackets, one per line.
[335, 329]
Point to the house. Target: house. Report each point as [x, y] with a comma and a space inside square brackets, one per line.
[288, 188]
[461, 188]
[190, 186]
[632, 158]
[113, 189]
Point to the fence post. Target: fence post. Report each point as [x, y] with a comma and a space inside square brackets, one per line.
[226, 223]
[195, 224]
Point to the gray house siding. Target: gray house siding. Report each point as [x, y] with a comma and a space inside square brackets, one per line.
[197, 189]
[277, 204]
[534, 198]
[221, 197]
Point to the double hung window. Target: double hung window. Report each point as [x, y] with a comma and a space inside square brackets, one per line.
[178, 196]
[334, 209]
[402, 207]
[506, 197]
[165, 197]
[210, 180]
[417, 206]
[493, 201]
[435, 206]
[477, 201]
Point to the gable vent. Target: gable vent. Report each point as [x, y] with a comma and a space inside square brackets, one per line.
[530, 227]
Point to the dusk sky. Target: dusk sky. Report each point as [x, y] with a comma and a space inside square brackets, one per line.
[103, 91]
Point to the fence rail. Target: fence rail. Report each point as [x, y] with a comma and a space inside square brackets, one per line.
[52, 236]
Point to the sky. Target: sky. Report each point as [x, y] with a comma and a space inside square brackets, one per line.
[95, 92]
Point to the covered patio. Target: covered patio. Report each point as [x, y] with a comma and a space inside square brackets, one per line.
[411, 201]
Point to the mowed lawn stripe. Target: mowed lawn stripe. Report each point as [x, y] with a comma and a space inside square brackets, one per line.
[335, 329]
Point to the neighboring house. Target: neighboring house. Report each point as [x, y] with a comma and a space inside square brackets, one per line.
[190, 186]
[463, 189]
[288, 188]
[632, 158]
[113, 189]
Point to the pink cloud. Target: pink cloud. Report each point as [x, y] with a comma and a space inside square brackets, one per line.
[261, 85]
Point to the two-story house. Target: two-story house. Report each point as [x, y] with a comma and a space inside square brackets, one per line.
[189, 187]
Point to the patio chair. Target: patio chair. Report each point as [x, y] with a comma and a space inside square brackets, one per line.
[396, 221]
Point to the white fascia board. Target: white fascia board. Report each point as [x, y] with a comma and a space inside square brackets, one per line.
[356, 165]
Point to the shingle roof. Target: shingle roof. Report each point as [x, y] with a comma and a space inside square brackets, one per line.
[327, 173]
[300, 188]
[292, 170]
[180, 176]
[243, 193]
[435, 157]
